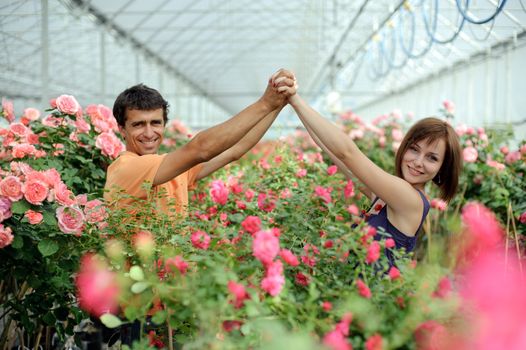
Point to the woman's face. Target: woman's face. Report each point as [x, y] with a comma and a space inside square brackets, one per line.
[422, 161]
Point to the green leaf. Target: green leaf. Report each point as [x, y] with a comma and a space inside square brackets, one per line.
[159, 317]
[47, 247]
[49, 318]
[49, 218]
[18, 242]
[139, 287]
[246, 329]
[110, 321]
[131, 312]
[20, 207]
[136, 273]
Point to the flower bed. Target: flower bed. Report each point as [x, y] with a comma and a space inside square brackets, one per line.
[274, 252]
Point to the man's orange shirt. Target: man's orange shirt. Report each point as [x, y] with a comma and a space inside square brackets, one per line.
[130, 171]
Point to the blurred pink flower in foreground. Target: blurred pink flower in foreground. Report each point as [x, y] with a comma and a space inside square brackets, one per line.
[483, 233]
[491, 285]
[265, 246]
[97, 287]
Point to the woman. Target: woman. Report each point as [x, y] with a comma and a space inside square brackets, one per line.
[430, 151]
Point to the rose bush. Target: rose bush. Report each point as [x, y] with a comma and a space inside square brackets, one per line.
[52, 174]
[274, 252]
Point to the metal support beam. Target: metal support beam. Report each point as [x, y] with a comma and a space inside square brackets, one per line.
[44, 42]
[102, 66]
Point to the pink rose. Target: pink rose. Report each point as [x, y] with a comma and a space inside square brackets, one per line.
[97, 287]
[249, 195]
[200, 240]
[513, 157]
[438, 204]
[82, 126]
[494, 164]
[52, 177]
[8, 110]
[389, 243]
[301, 173]
[302, 279]
[35, 191]
[70, 220]
[67, 104]
[95, 211]
[274, 280]
[251, 224]
[449, 106]
[335, 340]
[332, 170]
[431, 335]
[34, 217]
[483, 233]
[363, 290]
[373, 252]
[394, 273]
[11, 187]
[178, 263]
[375, 342]
[82, 199]
[353, 210]
[522, 218]
[109, 144]
[52, 121]
[289, 257]
[32, 113]
[63, 195]
[326, 306]
[19, 129]
[219, 192]
[323, 193]
[265, 246]
[6, 236]
[23, 149]
[397, 135]
[348, 191]
[239, 292]
[266, 203]
[5, 208]
[470, 154]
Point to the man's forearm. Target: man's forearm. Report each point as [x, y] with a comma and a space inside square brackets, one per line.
[255, 134]
[225, 135]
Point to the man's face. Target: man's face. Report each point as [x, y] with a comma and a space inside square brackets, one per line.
[143, 131]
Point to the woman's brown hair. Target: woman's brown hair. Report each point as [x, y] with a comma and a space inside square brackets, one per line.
[433, 129]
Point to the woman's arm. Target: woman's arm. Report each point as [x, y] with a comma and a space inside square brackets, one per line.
[396, 192]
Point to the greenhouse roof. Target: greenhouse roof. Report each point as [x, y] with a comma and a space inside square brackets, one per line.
[226, 50]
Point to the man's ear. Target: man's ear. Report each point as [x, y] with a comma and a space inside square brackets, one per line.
[122, 131]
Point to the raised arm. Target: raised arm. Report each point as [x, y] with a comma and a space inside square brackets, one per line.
[396, 192]
[239, 149]
[215, 140]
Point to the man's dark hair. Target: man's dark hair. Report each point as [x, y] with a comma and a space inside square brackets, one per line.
[139, 97]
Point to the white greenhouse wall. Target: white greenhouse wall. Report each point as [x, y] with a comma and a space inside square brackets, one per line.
[491, 92]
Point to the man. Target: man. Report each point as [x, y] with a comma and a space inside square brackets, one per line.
[141, 114]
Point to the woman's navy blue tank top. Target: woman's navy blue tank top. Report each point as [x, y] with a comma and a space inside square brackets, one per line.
[380, 220]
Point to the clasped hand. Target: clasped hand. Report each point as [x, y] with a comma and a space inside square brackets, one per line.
[281, 86]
